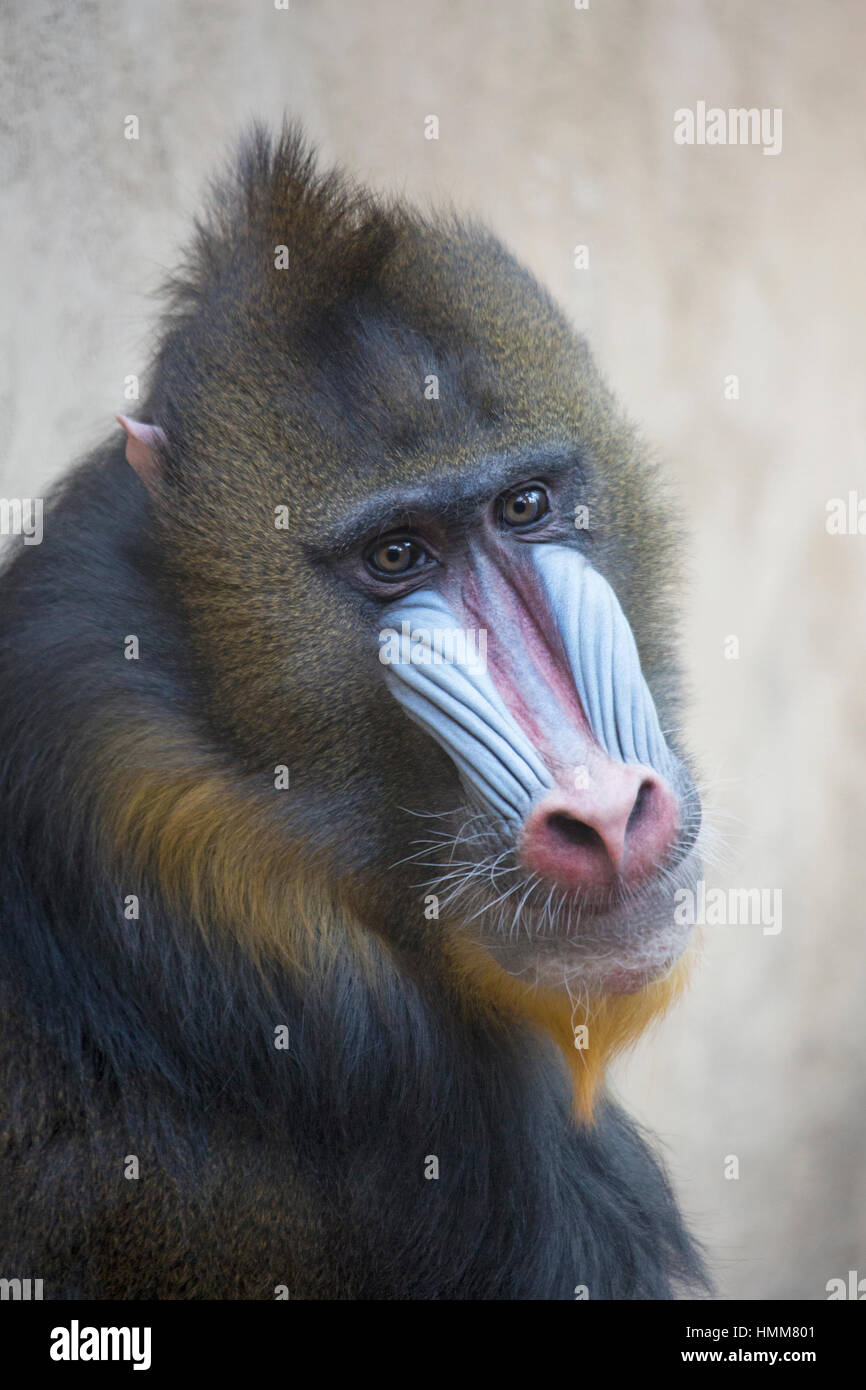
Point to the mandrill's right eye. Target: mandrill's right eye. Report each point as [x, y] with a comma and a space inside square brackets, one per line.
[396, 558]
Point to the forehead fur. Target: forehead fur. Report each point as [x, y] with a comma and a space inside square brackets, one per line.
[318, 367]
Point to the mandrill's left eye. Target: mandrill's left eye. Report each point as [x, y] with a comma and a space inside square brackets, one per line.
[525, 507]
[395, 558]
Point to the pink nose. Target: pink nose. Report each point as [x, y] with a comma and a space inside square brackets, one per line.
[616, 830]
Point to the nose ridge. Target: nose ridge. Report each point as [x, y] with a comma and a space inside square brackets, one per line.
[617, 829]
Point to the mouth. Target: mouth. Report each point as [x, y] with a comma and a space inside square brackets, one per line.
[600, 940]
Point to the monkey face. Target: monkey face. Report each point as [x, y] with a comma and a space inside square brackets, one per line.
[578, 821]
[481, 695]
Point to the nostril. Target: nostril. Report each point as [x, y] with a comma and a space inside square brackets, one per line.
[642, 804]
[558, 844]
[574, 832]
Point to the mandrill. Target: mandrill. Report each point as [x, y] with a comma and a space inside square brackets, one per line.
[342, 820]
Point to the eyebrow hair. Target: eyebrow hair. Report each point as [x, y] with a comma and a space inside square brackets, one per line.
[449, 498]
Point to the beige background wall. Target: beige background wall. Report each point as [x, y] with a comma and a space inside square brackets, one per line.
[556, 126]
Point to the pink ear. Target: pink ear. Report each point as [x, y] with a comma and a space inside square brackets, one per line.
[143, 443]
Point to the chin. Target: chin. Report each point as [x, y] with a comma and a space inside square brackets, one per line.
[559, 942]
